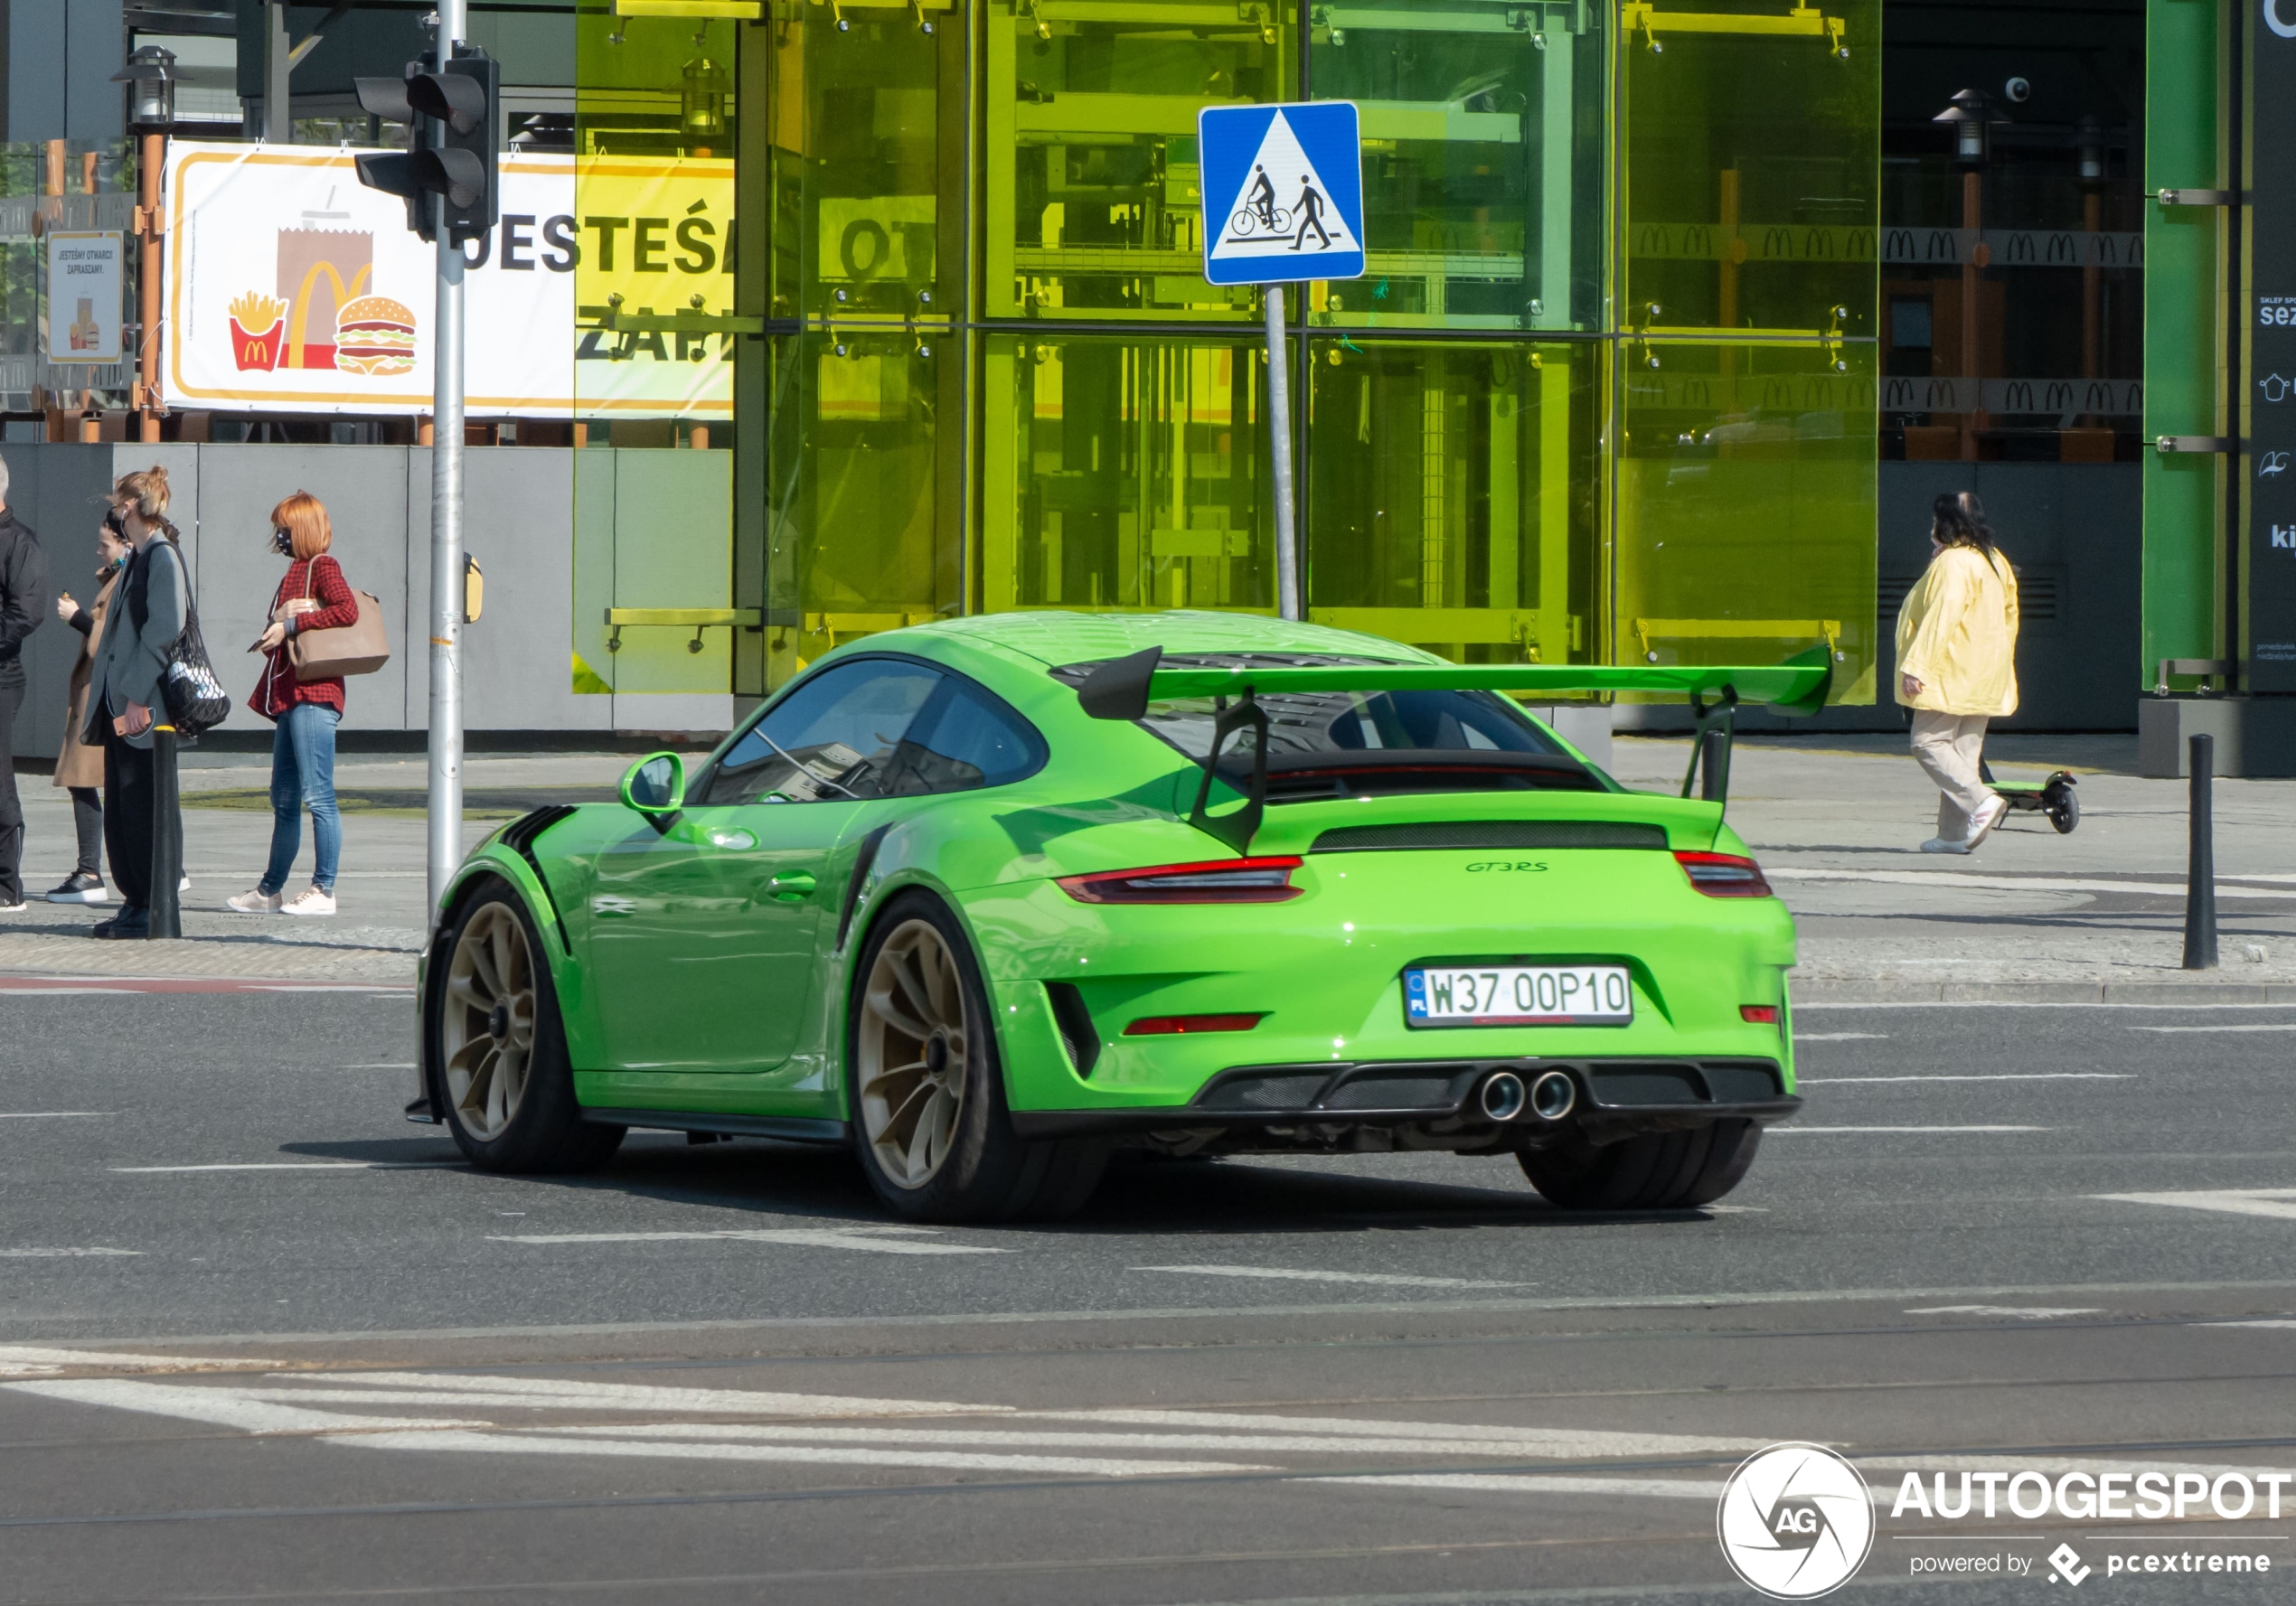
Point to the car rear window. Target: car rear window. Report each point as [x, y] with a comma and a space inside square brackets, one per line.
[1351, 743]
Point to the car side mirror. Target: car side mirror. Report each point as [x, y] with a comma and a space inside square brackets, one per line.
[656, 785]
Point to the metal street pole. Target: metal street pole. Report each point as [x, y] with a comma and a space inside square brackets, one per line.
[446, 800]
[1279, 428]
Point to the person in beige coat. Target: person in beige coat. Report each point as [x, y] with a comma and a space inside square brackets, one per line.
[80, 768]
[1957, 667]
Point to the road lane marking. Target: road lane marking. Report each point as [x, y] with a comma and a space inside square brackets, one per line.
[96, 1251]
[89, 986]
[1536, 1483]
[53, 1114]
[2257, 1026]
[633, 1396]
[1551, 1441]
[1981, 1077]
[595, 1443]
[1953, 880]
[2277, 1202]
[33, 1360]
[1838, 1036]
[217, 1407]
[1978, 1076]
[2027, 1312]
[297, 1165]
[1776, 1129]
[2273, 1323]
[874, 1240]
[1286, 1274]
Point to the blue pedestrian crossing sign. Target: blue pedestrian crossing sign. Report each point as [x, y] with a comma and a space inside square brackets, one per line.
[1282, 189]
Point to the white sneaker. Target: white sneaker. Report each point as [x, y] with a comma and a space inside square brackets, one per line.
[15, 908]
[1939, 845]
[310, 901]
[1990, 813]
[184, 884]
[255, 901]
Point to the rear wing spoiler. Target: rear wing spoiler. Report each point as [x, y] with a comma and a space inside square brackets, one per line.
[1122, 688]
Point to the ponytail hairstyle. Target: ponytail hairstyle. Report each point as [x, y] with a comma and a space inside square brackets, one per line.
[1958, 520]
[146, 493]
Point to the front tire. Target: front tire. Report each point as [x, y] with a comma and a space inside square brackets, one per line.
[504, 1083]
[926, 1085]
[1668, 1170]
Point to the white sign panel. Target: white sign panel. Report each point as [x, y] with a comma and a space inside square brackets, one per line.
[291, 287]
[85, 280]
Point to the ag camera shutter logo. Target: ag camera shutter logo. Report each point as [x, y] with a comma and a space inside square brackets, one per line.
[1796, 1521]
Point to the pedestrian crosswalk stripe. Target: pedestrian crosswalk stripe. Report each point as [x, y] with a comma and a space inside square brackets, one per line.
[2279, 1202]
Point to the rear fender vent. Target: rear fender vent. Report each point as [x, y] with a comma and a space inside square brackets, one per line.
[1486, 834]
[1073, 1022]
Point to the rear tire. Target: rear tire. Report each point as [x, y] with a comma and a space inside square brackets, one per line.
[925, 1084]
[1672, 1170]
[503, 1082]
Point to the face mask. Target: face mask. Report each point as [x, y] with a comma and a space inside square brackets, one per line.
[282, 543]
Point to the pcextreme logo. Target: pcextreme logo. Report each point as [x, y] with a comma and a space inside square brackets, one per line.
[1795, 1522]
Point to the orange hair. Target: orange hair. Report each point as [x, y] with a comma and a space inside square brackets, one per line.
[305, 519]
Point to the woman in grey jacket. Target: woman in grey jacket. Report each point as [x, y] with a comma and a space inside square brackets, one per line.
[125, 689]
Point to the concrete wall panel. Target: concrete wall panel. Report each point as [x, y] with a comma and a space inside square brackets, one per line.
[365, 491]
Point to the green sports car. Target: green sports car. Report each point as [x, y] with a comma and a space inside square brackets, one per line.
[988, 898]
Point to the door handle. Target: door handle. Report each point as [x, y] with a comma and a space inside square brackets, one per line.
[791, 886]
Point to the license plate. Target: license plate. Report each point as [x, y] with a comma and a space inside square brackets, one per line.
[1519, 995]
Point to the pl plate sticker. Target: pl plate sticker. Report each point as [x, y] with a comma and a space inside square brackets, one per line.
[1795, 1522]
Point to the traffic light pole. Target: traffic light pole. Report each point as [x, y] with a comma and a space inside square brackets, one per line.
[445, 799]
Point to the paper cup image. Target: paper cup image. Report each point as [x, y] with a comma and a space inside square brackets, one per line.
[258, 330]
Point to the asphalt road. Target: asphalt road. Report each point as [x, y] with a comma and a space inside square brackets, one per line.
[259, 1339]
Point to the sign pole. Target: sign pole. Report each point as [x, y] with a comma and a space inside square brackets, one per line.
[446, 792]
[1279, 429]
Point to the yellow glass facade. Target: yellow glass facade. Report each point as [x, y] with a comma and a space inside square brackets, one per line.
[1605, 393]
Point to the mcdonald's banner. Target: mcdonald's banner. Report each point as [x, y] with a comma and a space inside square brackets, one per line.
[292, 288]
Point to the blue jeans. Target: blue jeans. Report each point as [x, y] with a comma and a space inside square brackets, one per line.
[302, 775]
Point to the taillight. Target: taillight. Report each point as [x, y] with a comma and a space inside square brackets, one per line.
[1219, 881]
[1759, 1014]
[1173, 1025]
[1724, 875]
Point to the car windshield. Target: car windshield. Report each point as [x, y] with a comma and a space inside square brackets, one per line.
[1346, 744]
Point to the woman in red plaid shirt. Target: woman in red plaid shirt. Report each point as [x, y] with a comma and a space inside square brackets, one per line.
[312, 595]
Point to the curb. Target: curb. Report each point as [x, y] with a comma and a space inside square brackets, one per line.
[2200, 994]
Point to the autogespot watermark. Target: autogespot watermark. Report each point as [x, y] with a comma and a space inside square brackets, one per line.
[1797, 1521]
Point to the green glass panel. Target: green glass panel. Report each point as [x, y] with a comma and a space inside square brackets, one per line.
[1746, 504]
[1124, 472]
[651, 233]
[862, 529]
[1452, 496]
[1750, 164]
[866, 147]
[1089, 165]
[1482, 153]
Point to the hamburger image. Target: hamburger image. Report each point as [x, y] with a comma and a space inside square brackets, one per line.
[375, 335]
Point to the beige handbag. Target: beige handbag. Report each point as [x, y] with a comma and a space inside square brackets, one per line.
[356, 649]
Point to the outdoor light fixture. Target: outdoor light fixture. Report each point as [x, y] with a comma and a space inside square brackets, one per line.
[2089, 134]
[701, 99]
[151, 73]
[1971, 116]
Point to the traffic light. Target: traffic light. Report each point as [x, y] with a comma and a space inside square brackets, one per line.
[450, 113]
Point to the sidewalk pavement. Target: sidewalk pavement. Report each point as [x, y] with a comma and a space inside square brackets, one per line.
[2097, 915]
[1836, 821]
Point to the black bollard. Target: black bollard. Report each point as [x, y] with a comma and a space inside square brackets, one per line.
[2200, 870]
[168, 843]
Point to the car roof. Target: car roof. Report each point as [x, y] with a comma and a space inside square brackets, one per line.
[1054, 638]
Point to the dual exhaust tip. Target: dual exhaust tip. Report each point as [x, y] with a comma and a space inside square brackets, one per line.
[1549, 1096]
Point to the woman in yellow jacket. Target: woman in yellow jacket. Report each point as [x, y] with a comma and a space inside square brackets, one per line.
[1957, 667]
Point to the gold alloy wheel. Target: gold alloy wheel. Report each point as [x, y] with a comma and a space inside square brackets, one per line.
[912, 1054]
[487, 1021]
